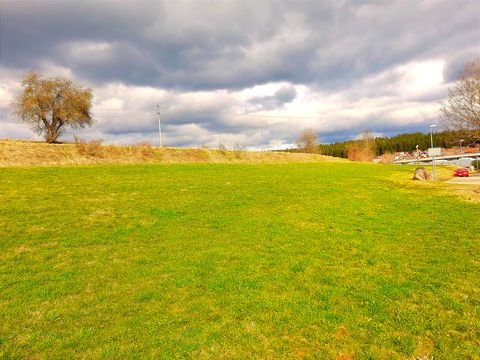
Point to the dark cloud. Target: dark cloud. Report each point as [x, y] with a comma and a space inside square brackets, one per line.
[456, 63]
[282, 96]
[210, 44]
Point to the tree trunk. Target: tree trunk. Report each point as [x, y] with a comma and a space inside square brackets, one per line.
[51, 135]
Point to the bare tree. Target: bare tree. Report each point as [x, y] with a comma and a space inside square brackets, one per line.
[461, 111]
[367, 139]
[307, 141]
[49, 105]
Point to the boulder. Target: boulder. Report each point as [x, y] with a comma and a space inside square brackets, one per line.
[422, 174]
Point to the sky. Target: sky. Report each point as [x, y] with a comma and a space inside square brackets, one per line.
[243, 74]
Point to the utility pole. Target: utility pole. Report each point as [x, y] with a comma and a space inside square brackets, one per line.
[159, 126]
[461, 148]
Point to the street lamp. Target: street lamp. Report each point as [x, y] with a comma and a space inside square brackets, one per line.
[431, 134]
[159, 126]
[434, 165]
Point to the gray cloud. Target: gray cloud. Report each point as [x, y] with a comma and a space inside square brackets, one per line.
[208, 45]
[282, 96]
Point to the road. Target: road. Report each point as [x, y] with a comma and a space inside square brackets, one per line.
[472, 179]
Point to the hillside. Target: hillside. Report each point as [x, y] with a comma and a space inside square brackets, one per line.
[30, 153]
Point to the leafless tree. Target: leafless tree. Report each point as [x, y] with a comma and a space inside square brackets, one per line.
[461, 111]
[49, 105]
[307, 141]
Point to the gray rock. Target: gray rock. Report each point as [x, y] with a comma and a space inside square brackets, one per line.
[422, 174]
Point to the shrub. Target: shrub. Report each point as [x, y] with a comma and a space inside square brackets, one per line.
[364, 149]
[357, 152]
[387, 158]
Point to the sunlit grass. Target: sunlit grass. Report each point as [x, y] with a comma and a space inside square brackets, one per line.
[237, 261]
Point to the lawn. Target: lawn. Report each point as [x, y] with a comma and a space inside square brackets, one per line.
[325, 260]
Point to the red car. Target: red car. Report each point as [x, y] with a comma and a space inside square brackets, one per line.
[462, 172]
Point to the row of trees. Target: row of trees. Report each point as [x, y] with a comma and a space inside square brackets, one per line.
[403, 142]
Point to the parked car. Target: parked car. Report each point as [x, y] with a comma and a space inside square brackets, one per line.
[462, 172]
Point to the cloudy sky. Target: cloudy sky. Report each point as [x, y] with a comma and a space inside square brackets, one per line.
[246, 73]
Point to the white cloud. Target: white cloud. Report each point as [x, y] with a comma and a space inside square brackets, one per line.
[15, 130]
[89, 52]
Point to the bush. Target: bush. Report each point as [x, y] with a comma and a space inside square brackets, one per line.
[387, 158]
[364, 149]
[358, 152]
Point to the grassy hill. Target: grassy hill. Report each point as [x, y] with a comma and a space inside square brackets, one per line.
[300, 260]
[30, 153]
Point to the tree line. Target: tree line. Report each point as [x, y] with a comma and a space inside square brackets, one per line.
[404, 143]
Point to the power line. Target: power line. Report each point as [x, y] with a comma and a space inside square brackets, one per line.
[253, 115]
[231, 114]
[279, 116]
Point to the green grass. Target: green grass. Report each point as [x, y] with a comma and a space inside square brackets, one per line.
[328, 261]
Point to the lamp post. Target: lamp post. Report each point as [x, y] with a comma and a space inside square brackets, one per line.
[431, 134]
[434, 175]
[159, 126]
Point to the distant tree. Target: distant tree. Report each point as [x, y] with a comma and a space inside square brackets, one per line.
[461, 111]
[368, 142]
[49, 105]
[307, 141]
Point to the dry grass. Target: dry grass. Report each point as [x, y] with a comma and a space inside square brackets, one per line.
[95, 149]
[30, 153]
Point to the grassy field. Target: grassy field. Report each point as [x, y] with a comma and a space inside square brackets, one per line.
[321, 260]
